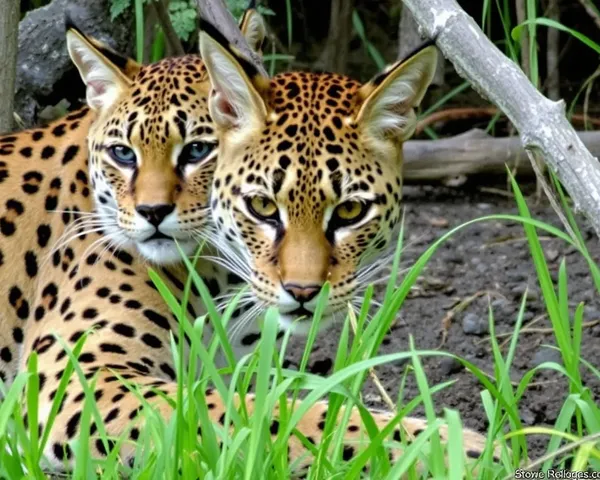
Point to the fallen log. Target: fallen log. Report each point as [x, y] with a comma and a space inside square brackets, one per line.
[450, 160]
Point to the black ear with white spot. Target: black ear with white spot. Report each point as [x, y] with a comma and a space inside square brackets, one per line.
[252, 26]
[389, 99]
[105, 82]
[235, 101]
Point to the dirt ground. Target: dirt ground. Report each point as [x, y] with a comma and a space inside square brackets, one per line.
[491, 259]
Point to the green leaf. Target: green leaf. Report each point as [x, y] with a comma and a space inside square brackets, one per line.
[516, 32]
[117, 7]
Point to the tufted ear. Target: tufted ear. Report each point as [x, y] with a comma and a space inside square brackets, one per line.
[252, 26]
[106, 75]
[235, 101]
[387, 102]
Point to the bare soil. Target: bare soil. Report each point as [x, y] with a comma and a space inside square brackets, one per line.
[492, 260]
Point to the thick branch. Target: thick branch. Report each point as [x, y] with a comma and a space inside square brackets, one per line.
[541, 122]
[215, 11]
[9, 28]
[409, 39]
[334, 56]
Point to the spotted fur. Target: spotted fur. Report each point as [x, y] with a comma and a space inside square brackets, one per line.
[307, 189]
[315, 149]
[70, 255]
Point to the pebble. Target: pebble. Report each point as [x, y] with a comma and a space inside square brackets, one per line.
[474, 324]
[527, 416]
[517, 276]
[456, 259]
[450, 365]
[592, 314]
[519, 290]
[544, 355]
[481, 268]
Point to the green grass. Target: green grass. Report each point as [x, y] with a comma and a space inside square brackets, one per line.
[168, 447]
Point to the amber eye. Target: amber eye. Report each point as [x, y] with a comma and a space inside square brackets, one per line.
[348, 213]
[262, 208]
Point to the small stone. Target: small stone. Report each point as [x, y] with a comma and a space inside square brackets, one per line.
[517, 276]
[528, 316]
[551, 255]
[450, 365]
[544, 355]
[484, 206]
[456, 259]
[592, 314]
[475, 325]
[439, 222]
[527, 416]
[499, 303]
[481, 268]
[520, 290]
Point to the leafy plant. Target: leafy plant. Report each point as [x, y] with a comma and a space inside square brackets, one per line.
[183, 17]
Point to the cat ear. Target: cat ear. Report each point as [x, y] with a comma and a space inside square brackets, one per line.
[389, 99]
[235, 101]
[252, 26]
[105, 80]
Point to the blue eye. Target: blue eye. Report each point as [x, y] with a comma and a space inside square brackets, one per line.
[195, 152]
[122, 155]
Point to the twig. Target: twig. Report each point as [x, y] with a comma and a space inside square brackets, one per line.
[588, 91]
[165, 22]
[552, 52]
[550, 194]
[497, 191]
[588, 6]
[542, 330]
[521, 17]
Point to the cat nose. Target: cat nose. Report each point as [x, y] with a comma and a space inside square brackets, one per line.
[155, 214]
[302, 293]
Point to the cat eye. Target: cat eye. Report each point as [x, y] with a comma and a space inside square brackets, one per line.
[349, 213]
[122, 155]
[195, 152]
[263, 208]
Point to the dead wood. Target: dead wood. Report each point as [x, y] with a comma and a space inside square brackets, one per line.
[451, 160]
[9, 22]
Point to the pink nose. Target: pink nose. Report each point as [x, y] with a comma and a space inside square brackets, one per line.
[302, 293]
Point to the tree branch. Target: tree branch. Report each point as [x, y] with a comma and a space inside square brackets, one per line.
[9, 29]
[541, 123]
[215, 11]
[162, 14]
